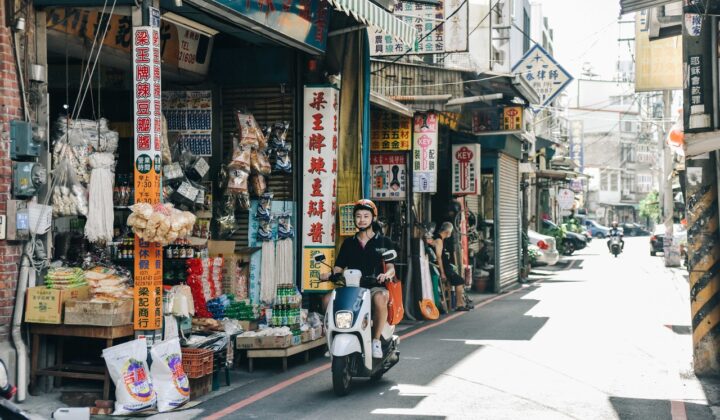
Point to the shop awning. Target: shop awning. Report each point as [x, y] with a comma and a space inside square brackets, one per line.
[382, 101]
[559, 174]
[371, 14]
[628, 6]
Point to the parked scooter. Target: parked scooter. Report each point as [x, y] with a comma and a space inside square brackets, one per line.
[8, 410]
[348, 322]
[615, 245]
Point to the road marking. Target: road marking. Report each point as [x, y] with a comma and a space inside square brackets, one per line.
[677, 410]
[284, 384]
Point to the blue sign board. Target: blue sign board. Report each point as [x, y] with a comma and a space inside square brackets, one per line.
[305, 21]
[543, 73]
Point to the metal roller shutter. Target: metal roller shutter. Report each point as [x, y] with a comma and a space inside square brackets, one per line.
[508, 222]
[268, 105]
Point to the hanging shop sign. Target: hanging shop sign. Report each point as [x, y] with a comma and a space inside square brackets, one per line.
[577, 144]
[565, 199]
[320, 143]
[390, 132]
[148, 130]
[389, 173]
[466, 169]
[425, 146]
[450, 36]
[495, 119]
[183, 47]
[543, 73]
[305, 21]
[189, 116]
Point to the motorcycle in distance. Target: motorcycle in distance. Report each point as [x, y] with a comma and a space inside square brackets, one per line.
[615, 245]
[348, 322]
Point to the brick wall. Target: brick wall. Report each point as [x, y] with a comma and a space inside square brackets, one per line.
[10, 108]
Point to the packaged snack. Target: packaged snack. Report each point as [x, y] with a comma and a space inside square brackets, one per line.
[171, 383]
[258, 184]
[259, 163]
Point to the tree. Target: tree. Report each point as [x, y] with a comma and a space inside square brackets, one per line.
[650, 207]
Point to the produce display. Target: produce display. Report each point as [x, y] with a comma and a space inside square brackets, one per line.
[64, 278]
[161, 223]
[108, 284]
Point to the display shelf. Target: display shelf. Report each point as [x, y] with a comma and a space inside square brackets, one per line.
[195, 241]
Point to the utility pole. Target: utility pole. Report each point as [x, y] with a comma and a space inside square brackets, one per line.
[671, 250]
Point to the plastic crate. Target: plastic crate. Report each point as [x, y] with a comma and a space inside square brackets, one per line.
[197, 362]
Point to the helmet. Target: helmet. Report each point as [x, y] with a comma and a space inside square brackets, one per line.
[365, 204]
[614, 223]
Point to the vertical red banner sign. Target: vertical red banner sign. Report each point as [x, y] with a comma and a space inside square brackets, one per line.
[148, 129]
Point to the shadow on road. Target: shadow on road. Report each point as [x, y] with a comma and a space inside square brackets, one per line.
[635, 408]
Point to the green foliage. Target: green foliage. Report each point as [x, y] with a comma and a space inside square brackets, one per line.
[533, 255]
[650, 207]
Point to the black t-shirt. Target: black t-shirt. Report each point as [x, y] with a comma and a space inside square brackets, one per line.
[368, 259]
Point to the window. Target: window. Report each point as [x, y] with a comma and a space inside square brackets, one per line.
[604, 181]
[613, 182]
[526, 29]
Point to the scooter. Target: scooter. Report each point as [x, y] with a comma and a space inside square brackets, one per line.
[8, 410]
[615, 245]
[348, 322]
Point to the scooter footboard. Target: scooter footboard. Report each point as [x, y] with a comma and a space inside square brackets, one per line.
[344, 344]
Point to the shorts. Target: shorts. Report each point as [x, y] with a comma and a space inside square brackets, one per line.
[456, 280]
[376, 290]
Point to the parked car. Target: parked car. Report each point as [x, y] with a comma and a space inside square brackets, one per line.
[658, 236]
[596, 229]
[548, 253]
[635, 229]
[571, 241]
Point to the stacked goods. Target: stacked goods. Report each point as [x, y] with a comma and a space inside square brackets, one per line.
[205, 281]
[108, 285]
[249, 157]
[161, 223]
[64, 278]
[242, 310]
[218, 306]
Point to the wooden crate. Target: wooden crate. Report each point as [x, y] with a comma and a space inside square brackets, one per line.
[103, 314]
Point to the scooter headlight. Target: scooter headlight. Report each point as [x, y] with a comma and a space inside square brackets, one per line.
[343, 320]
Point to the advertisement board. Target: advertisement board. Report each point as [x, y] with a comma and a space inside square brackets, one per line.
[425, 146]
[466, 169]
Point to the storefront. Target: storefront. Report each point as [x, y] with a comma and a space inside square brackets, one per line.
[209, 113]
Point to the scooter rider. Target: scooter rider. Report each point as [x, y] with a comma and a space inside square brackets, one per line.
[363, 252]
[615, 231]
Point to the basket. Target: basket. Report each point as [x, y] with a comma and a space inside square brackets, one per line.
[197, 362]
[200, 386]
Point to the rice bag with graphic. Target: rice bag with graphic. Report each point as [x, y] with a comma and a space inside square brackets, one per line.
[127, 365]
[171, 382]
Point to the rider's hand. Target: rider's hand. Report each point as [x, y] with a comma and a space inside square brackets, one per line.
[325, 276]
[382, 277]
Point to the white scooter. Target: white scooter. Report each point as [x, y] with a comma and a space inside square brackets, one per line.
[348, 322]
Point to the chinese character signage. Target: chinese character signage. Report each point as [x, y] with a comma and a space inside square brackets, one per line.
[512, 118]
[577, 144]
[390, 132]
[189, 115]
[388, 176]
[183, 48]
[466, 169]
[451, 36]
[148, 129]
[697, 102]
[425, 146]
[547, 77]
[320, 144]
[305, 21]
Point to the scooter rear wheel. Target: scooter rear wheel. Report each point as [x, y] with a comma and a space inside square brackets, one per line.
[341, 375]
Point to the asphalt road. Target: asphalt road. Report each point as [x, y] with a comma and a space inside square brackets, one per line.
[593, 338]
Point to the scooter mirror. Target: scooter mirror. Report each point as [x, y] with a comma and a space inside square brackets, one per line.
[389, 255]
[318, 258]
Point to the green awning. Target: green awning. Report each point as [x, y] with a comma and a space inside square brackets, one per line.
[366, 12]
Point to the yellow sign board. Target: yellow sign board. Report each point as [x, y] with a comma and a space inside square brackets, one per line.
[512, 118]
[312, 270]
[659, 63]
[390, 132]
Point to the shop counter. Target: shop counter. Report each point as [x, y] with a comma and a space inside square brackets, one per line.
[63, 370]
[284, 353]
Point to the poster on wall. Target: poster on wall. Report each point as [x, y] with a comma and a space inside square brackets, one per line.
[189, 118]
[425, 146]
[390, 131]
[389, 173]
[451, 36]
[466, 169]
[148, 129]
[319, 208]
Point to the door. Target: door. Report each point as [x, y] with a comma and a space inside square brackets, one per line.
[507, 222]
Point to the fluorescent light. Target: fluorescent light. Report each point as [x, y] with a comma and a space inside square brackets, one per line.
[183, 21]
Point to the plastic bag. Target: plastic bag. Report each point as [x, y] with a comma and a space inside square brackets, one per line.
[259, 163]
[127, 365]
[171, 383]
[238, 182]
[258, 184]
[69, 197]
[250, 132]
[240, 157]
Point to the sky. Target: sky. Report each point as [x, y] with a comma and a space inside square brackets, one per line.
[586, 30]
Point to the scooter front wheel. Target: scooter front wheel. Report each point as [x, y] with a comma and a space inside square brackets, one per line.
[341, 375]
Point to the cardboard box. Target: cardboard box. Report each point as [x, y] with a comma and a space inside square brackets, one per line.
[245, 343]
[276, 342]
[45, 306]
[104, 314]
[248, 325]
